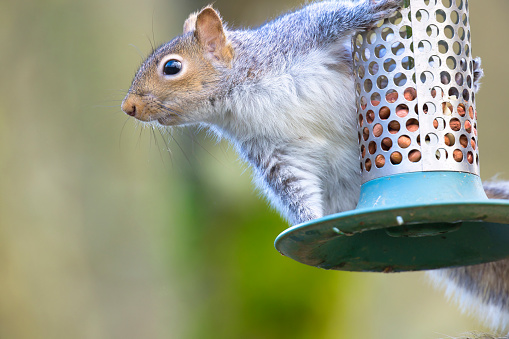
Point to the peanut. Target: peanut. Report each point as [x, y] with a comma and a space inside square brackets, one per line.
[404, 141]
[457, 155]
[455, 124]
[377, 130]
[402, 111]
[414, 155]
[410, 94]
[394, 127]
[384, 113]
[396, 158]
[468, 126]
[380, 161]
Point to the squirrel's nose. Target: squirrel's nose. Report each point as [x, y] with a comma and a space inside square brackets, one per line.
[129, 106]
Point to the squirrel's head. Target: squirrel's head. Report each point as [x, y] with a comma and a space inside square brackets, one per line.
[178, 82]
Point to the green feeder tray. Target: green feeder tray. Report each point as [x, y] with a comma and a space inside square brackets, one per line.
[459, 226]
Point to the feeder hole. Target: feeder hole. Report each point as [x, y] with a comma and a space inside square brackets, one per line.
[455, 124]
[429, 108]
[457, 155]
[445, 78]
[422, 15]
[361, 120]
[414, 155]
[471, 113]
[439, 124]
[447, 108]
[377, 130]
[469, 81]
[434, 61]
[470, 157]
[440, 16]
[389, 65]
[447, 3]
[365, 133]
[410, 94]
[431, 139]
[405, 32]
[412, 125]
[384, 113]
[424, 46]
[368, 85]
[391, 96]
[461, 110]
[396, 158]
[463, 140]
[449, 32]
[386, 144]
[380, 51]
[380, 161]
[358, 41]
[466, 94]
[363, 151]
[408, 63]
[382, 81]
[397, 48]
[368, 165]
[375, 99]
[373, 67]
[449, 139]
[453, 92]
[468, 126]
[451, 62]
[459, 79]
[363, 103]
[443, 46]
[371, 38]
[432, 31]
[402, 110]
[473, 144]
[441, 154]
[461, 33]
[404, 141]
[454, 16]
[437, 91]
[366, 54]
[394, 127]
[387, 34]
[463, 64]
[370, 116]
[399, 79]
[396, 19]
[372, 147]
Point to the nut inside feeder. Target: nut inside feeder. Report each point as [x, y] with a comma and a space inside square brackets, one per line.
[422, 204]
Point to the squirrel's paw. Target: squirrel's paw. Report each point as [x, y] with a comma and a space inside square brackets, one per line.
[384, 8]
[379, 10]
[478, 74]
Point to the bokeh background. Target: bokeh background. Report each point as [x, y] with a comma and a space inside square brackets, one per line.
[106, 234]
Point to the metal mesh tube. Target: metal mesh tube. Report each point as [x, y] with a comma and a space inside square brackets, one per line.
[415, 91]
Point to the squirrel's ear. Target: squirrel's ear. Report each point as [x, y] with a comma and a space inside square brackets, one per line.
[210, 34]
[190, 24]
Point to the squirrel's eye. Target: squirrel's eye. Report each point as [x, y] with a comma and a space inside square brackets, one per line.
[172, 67]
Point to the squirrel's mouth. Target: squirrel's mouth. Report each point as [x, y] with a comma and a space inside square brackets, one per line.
[167, 120]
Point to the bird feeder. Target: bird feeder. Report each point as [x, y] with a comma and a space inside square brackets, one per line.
[422, 204]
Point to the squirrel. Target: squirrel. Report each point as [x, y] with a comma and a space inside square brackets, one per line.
[283, 95]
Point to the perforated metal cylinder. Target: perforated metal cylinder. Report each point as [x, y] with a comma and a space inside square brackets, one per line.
[415, 98]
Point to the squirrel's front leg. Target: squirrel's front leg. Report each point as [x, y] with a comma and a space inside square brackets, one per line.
[291, 187]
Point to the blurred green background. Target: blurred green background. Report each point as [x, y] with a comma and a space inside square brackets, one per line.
[104, 234]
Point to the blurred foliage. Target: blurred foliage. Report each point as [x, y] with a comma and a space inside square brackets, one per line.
[105, 234]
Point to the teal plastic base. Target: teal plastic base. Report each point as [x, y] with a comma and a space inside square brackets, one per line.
[409, 222]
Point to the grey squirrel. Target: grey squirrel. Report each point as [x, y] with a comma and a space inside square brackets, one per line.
[283, 95]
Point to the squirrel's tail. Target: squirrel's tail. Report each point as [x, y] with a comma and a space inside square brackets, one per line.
[483, 289]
